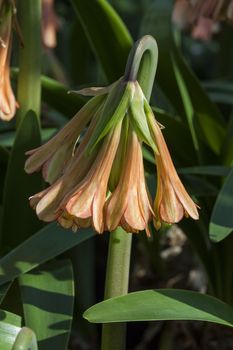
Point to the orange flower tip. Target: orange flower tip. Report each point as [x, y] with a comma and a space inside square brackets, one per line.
[148, 231]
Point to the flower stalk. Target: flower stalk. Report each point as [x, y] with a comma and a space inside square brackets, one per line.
[117, 277]
[141, 66]
[29, 84]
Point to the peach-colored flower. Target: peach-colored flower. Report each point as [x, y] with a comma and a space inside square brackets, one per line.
[8, 103]
[78, 197]
[50, 24]
[181, 14]
[203, 30]
[129, 204]
[53, 156]
[172, 201]
[202, 16]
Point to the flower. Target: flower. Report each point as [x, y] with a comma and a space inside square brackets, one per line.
[129, 205]
[81, 192]
[50, 24]
[53, 156]
[100, 180]
[202, 16]
[203, 30]
[8, 103]
[172, 201]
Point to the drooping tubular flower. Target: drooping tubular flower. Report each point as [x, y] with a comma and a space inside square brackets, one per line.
[100, 180]
[53, 156]
[8, 103]
[172, 201]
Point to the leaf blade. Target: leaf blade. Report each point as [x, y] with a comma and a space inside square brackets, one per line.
[48, 298]
[221, 222]
[161, 304]
[47, 243]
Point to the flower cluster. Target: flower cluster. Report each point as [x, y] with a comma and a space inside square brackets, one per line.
[95, 167]
[8, 103]
[202, 16]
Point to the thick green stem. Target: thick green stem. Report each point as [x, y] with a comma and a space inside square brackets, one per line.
[29, 83]
[117, 276]
[141, 66]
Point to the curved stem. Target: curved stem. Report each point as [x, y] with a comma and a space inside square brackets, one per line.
[29, 83]
[117, 277]
[142, 64]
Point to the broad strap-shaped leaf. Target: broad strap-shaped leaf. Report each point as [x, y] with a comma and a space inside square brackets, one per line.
[188, 106]
[8, 138]
[3, 290]
[107, 34]
[56, 95]
[10, 326]
[211, 170]
[221, 222]
[161, 304]
[48, 298]
[46, 244]
[18, 219]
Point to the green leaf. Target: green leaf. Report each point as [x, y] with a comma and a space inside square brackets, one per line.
[79, 54]
[46, 244]
[157, 22]
[9, 328]
[107, 34]
[3, 291]
[56, 95]
[48, 298]
[199, 187]
[8, 138]
[8, 317]
[221, 222]
[161, 304]
[212, 170]
[18, 219]
[223, 97]
[188, 106]
[219, 86]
